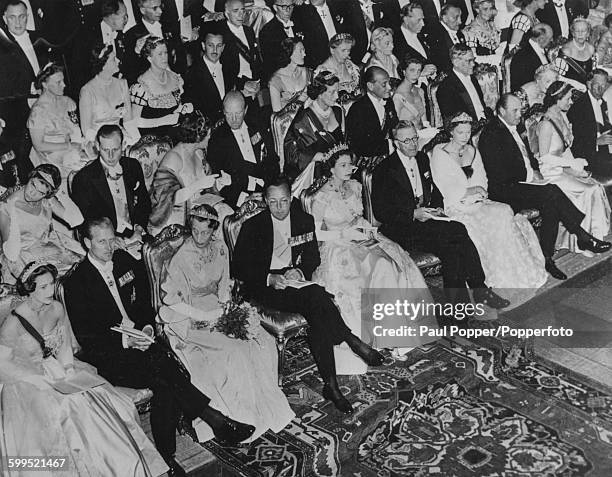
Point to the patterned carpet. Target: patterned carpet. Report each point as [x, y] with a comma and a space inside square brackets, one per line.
[450, 410]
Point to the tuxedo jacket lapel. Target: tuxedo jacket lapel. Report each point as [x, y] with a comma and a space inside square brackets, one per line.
[129, 185]
[402, 176]
[99, 180]
[22, 56]
[207, 79]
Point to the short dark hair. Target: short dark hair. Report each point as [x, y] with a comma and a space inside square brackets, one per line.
[444, 10]
[409, 8]
[45, 73]
[402, 124]
[26, 286]
[48, 170]
[502, 102]
[371, 72]
[287, 47]
[213, 224]
[192, 128]
[410, 59]
[555, 92]
[99, 56]
[320, 83]
[330, 163]
[210, 28]
[13, 3]
[280, 180]
[108, 130]
[109, 7]
[596, 72]
[90, 224]
[522, 3]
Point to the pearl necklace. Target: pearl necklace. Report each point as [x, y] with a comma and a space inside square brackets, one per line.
[579, 48]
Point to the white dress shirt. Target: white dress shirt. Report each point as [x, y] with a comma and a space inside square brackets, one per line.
[563, 20]
[412, 170]
[379, 106]
[288, 27]
[413, 41]
[25, 44]
[521, 145]
[154, 29]
[108, 34]
[216, 71]
[471, 89]
[281, 251]
[452, 33]
[245, 67]
[596, 103]
[244, 143]
[117, 190]
[106, 271]
[131, 17]
[326, 18]
[539, 51]
[30, 25]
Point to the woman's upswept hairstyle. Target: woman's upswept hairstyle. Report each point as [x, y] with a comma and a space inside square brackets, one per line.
[555, 92]
[320, 83]
[46, 72]
[26, 282]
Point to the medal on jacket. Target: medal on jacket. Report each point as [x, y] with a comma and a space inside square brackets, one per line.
[300, 239]
[127, 278]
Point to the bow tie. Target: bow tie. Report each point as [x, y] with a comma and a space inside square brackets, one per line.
[559, 3]
[114, 172]
[287, 25]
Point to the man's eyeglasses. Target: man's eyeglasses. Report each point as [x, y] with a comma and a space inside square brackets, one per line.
[409, 140]
[284, 7]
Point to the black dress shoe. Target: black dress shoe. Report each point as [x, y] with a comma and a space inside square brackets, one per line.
[593, 245]
[338, 399]
[551, 268]
[490, 298]
[370, 356]
[175, 469]
[233, 432]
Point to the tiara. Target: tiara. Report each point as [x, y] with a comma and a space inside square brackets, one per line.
[462, 118]
[140, 43]
[198, 211]
[31, 267]
[342, 36]
[46, 177]
[334, 150]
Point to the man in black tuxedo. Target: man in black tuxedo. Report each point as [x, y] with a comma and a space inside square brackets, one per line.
[108, 31]
[560, 14]
[319, 21]
[207, 80]
[110, 288]
[381, 13]
[274, 32]
[22, 54]
[372, 116]
[113, 186]
[149, 24]
[280, 244]
[591, 125]
[408, 39]
[530, 56]
[244, 152]
[241, 54]
[460, 91]
[509, 162]
[444, 36]
[404, 197]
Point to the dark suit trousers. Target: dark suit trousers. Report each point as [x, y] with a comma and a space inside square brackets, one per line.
[327, 328]
[451, 242]
[553, 204]
[172, 393]
[600, 164]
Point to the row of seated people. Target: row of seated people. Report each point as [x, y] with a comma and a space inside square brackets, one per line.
[234, 61]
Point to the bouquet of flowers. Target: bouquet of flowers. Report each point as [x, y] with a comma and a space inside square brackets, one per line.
[239, 321]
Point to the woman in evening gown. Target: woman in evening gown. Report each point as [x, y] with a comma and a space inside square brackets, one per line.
[290, 81]
[239, 376]
[95, 430]
[349, 264]
[557, 164]
[156, 96]
[507, 244]
[26, 224]
[315, 129]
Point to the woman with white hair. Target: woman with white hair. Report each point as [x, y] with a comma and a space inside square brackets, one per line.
[578, 53]
[481, 35]
[339, 63]
[381, 47]
[533, 92]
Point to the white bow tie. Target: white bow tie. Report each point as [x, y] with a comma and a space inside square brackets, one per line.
[559, 3]
[287, 25]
